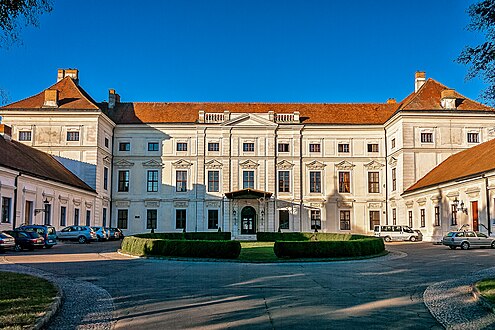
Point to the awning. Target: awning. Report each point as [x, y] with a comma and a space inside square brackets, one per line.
[248, 194]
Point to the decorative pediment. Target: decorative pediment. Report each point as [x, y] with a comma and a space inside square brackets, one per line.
[107, 160]
[409, 204]
[392, 161]
[375, 205]
[151, 203]
[182, 163]
[344, 165]
[249, 164]
[213, 164]
[63, 199]
[249, 119]
[436, 199]
[88, 204]
[213, 204]
[284, 165]
[76, 201]
[315, 165]
[453, 195]
[421, 201]
[123, 163]
[374, 165]
[347, 203]
[152, 163]
[181, 203]
[473, 192]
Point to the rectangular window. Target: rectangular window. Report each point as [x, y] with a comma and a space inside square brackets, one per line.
[72, 136]
[213, 181]
[153, 146]
[374, 219]
[181, 181]
[437, 216]
[372, 147]
[314, 147]
[393, 143]
[473, 137]
[105, 178]
[373, 182]
[345, 220]
[181, 146]
[48, 214]
[104, 217]
[88, 218]
[124, 180]
[180, 219]
[315, 219]
[410, 219]
[283, 147]
[63, 216]
[394, 179]
[344, 182]
[283, 219]
[453, 219]
[315, 182]
[248, 147]
[212, 219]
[28, 212]
[426, 137]
[343, 147]
[25, 136]
[423, 220]
[152, 184]
[394, 217]
[124, 146]
[248, 179]
[76, 217]
[106, 143]
[213, 146]
[122, 218]
[283, 181]
[151, 217]
[6, 201]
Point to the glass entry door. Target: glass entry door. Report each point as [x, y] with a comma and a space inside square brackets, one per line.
[248, 221]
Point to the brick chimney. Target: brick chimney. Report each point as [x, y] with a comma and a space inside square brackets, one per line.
[73, 73]
[448, 99]
[6, 132]
[391, 101]
[51, 98]
[113, 98]
[419, 80]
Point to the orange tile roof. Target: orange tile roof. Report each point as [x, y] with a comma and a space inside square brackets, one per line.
[473, 161]
[27, 160]
[71, 96]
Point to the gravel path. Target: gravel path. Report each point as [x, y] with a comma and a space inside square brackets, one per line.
[84, 305]
[453, 305]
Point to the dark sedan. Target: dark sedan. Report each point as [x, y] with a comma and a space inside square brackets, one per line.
[26, 240]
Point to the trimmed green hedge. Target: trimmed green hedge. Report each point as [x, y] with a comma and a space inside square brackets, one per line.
[296, 237]
[181, 248]
[330, 248]
[201, 236]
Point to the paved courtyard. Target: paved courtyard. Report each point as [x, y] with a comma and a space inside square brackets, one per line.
[381, 293]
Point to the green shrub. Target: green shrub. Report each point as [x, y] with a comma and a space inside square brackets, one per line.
[330, 248]
[296, 237]
[201, 236]
[181, 248]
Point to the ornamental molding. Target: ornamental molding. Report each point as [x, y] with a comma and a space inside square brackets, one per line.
[452, 195]
[436, 199]
[375, 205]
[421, 201]
[105, 202]
[249, 164]
[107, 160]
[344, 165]
[317, 205]
[213, 164]
[182, 163]
[491, 131]
[124, 163]
[374, 165]
[315, 165]
[213, 204]
[345, 203]
[63, 199]
[181, 203]
[392, 161]
[76, 202]
[152, 163]
[26, 190]
[151, 203]
[122, 203]
[88, 205]
[285, 165]
[473, 192]
[409, 204]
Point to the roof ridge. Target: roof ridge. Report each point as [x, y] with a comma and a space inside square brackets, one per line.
[275, 103]
[82, 91]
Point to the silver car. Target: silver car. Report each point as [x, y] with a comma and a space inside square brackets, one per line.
[82, 234]
[467, 239]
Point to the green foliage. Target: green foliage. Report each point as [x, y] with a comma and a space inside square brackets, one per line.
[273, 237]
[181, 248]
[330, 248]
[487, 289]
[202, 236]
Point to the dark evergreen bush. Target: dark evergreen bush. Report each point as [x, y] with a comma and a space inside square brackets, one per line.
[329, 249]
[308, 236]
[201, 236]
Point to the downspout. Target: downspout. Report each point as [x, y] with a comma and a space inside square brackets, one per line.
[14, 206]
[386, 176]
[487, 192]
[301, 193]
[110, 212]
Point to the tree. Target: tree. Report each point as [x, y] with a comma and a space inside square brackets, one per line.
[481, 58]
[15, 14]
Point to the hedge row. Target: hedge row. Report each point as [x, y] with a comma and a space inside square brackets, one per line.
[197, 236]
[296, 237]
[329, 249]
[181, 248]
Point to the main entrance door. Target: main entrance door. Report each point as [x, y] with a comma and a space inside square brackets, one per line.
[474, 208]
[248, 221]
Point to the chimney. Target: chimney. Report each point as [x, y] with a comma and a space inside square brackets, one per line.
[51, 98]
[448, 99]
[391, 101]
[113, 98]
[419, 80]
[73, 73]
[6, 132]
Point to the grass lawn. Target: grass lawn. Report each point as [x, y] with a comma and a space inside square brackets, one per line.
[23, 299]
[487, 289]
[257, 251]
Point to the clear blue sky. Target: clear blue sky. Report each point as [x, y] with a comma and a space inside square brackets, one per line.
[244, 51]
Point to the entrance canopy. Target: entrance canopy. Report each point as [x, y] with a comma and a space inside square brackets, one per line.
[248, 194]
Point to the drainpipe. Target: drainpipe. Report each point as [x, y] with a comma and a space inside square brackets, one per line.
[386, 176]
[14, 207]
[487, 192]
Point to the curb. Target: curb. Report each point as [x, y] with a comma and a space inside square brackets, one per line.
[481, 300]
[54, 308]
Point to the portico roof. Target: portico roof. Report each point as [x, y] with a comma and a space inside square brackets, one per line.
[248, 194]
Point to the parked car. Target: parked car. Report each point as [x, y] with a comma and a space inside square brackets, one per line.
[26, 239]
[48, 233]
[82, 234]
[397, 233]
[7, 242]
[467, 239]
[101, 233]
[115, 233]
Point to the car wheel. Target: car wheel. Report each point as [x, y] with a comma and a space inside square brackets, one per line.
[465, 245]
[413, 239]
[387, 239]
[82, 239]
[452, 247]
[18, 248]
